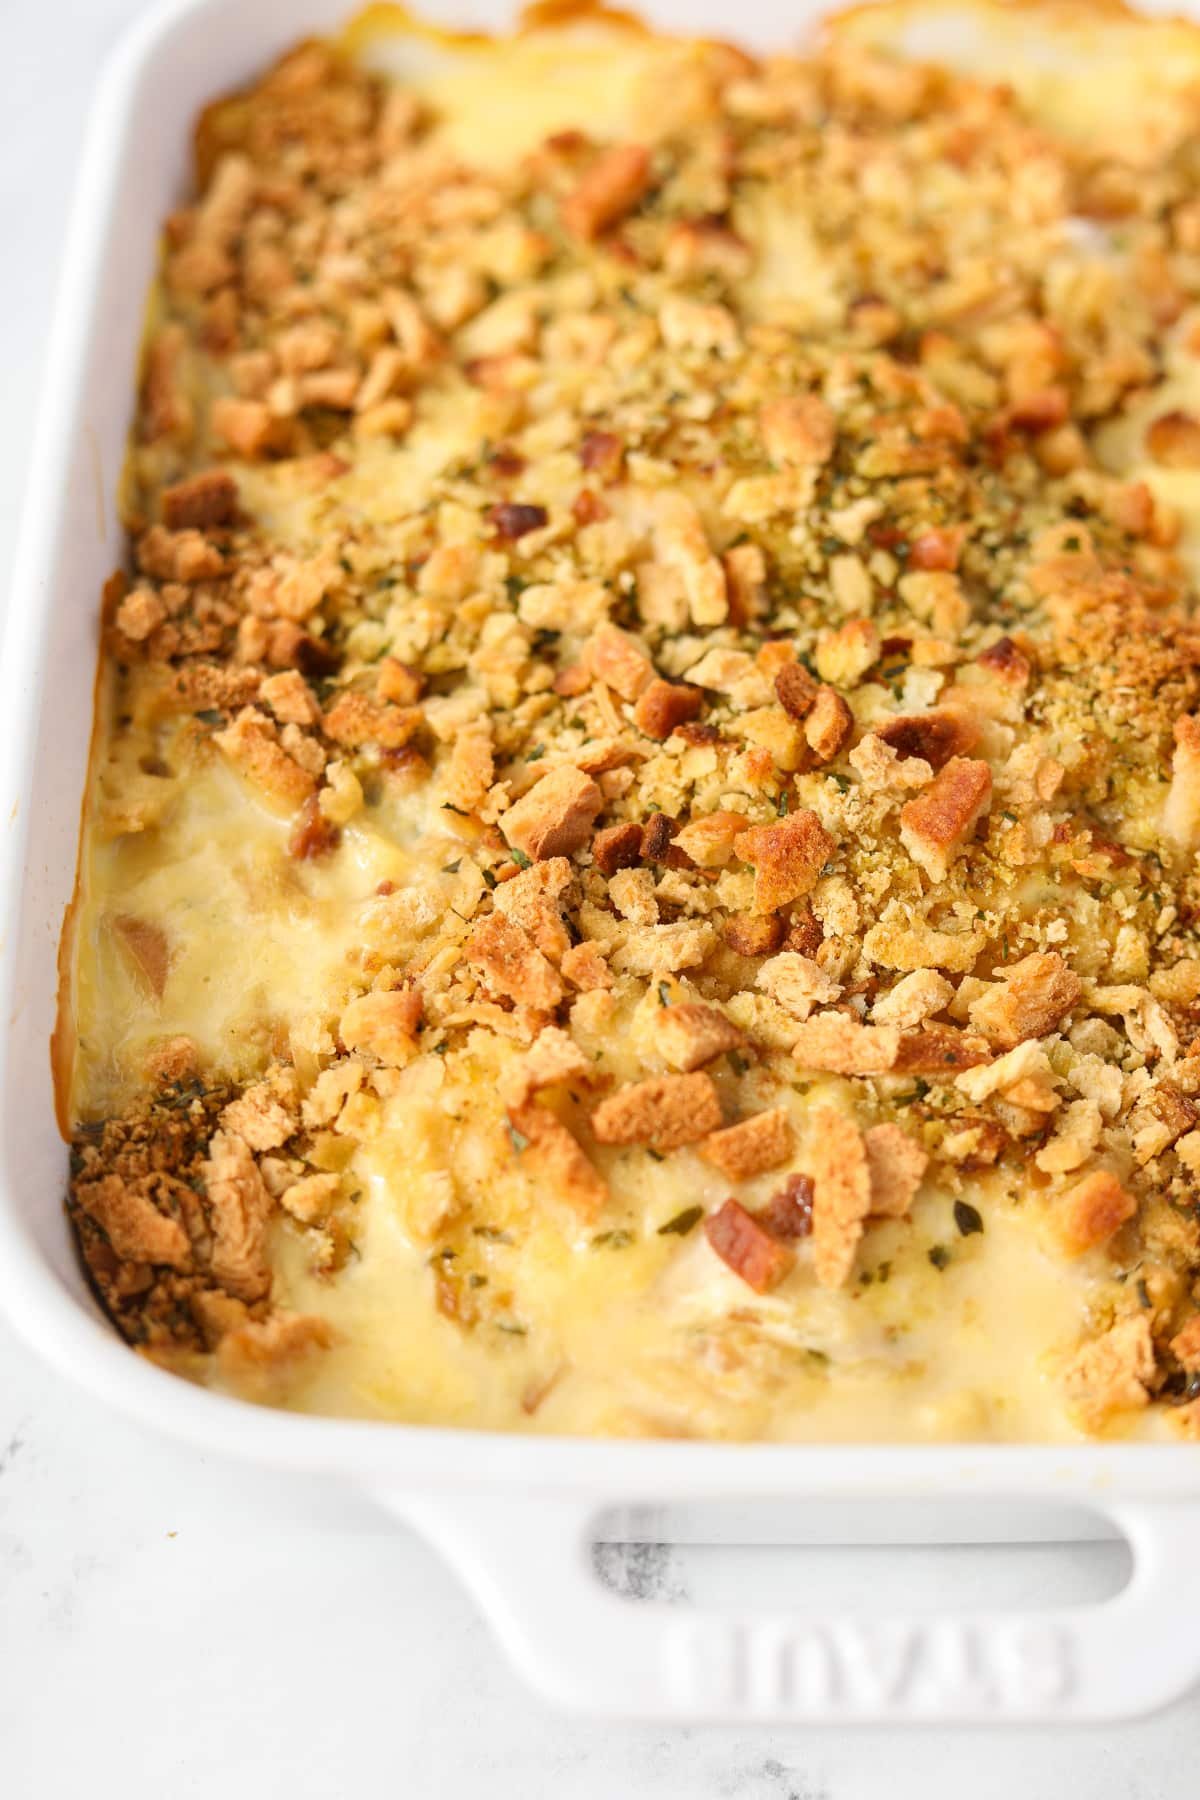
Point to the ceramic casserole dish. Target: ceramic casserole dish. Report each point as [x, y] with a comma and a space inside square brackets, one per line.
[515, 1515]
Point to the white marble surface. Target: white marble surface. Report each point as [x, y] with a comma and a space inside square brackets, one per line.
[173, 1627]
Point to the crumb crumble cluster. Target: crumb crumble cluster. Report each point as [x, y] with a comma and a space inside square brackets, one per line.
[696, 551]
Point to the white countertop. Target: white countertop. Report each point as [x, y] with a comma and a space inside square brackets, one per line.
[173, 1627]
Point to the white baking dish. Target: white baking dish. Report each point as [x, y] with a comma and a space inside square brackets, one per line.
[513, 1514]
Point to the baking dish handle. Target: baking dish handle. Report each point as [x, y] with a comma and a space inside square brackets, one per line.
[529, 1564]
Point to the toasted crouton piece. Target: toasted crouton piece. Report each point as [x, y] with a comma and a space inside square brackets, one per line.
[1090, 1212]
[747, 1248]
[547, 1150]
[136, 1229]
[938, 1049]
[828, 725]
[665, 705]
[1028, 1001]
[844, 656]
[689, 1034]
[249, 427]
[534, 900]
[746, 1149]
[837, 1043]
[618, 847]
[841, 1194]
[555, 817]
[200, 501]
[934, 737]
[787, 858]
[311, 1199]
[664, 1112]
[512, 963]
[552, 1057]
[383, 1024]
[937, 822]
[681, 544]
[265, 1114]
[355, 719]
[1173, 440]
[606, 191]
[186, 556]
[1110, 1373]
[617, 659]
[897, 1164]
[749, 934]
[798, 430]
[585, 968]
[709, 839]
[290, 698]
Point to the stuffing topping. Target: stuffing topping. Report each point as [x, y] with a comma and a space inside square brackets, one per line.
[656, 696]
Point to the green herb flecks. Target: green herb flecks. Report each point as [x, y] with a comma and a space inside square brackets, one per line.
[682, 1223]
[967, 1218]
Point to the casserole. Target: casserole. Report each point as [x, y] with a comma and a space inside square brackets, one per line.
[809, 1669]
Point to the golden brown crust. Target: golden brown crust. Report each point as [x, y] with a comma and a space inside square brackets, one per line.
[1090, 1212]
[751, 1146]
[786, 858]
[664, 1112]
[935, 825]
[547, 1150]
[825, 662]
[555, 817]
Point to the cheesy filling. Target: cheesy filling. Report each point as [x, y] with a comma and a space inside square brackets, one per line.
[639, 873]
